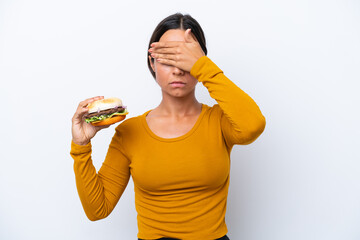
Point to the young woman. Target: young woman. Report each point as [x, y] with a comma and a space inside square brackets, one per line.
[178, 154]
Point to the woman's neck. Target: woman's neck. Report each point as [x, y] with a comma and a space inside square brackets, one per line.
[178, 106]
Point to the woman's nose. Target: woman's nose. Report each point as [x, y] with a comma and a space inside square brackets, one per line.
[178, 71]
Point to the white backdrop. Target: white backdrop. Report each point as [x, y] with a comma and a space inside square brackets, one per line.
[298, 59]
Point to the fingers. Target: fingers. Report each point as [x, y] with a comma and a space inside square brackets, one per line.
[165, 56]
[169, 44]
[84, 103]
[189, 37]
[166, 47]
[82, 107]
[167, 62]
[167, 50]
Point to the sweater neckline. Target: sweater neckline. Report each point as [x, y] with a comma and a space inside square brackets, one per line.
[189, 133]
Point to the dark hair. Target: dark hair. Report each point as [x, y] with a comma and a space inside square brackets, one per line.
[177, 21]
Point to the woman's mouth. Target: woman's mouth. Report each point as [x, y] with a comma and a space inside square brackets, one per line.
[177, 84]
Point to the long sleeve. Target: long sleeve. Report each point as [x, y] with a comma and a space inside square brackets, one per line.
[100, 192]
[242, 121]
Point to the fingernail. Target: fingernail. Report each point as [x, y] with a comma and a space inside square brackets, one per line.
[152, 45]
[150, 50]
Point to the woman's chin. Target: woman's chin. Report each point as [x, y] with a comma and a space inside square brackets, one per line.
[178, 93]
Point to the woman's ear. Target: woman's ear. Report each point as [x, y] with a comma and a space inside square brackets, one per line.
[152, 63]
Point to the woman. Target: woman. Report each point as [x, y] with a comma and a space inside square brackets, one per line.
[178, 153]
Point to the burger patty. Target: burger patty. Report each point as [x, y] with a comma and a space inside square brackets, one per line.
[105, 112]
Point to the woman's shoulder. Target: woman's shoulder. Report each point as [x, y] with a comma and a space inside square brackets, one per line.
[132, 123]
[211, 114]
[213, 110]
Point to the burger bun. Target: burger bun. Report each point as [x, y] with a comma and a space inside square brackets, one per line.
[104, 104]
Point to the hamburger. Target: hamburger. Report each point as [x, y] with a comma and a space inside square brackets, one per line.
[105, 112]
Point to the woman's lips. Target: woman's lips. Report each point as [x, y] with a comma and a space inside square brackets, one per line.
[177, 84]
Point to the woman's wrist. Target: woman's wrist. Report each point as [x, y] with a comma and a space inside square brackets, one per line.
[81, 143]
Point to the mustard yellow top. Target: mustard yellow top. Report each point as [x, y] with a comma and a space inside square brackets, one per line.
[181, 184]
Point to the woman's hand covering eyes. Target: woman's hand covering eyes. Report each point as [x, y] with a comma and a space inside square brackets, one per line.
[182, 55]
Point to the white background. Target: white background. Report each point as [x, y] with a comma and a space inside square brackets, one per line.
[298, 59]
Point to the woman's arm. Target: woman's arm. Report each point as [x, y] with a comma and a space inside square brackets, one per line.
[242, 121]
[99, 192]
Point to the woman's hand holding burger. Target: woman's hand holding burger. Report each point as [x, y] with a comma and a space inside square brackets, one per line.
[83, 132]
[94, 114]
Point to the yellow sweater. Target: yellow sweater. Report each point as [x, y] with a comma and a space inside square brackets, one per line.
[181, 184]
